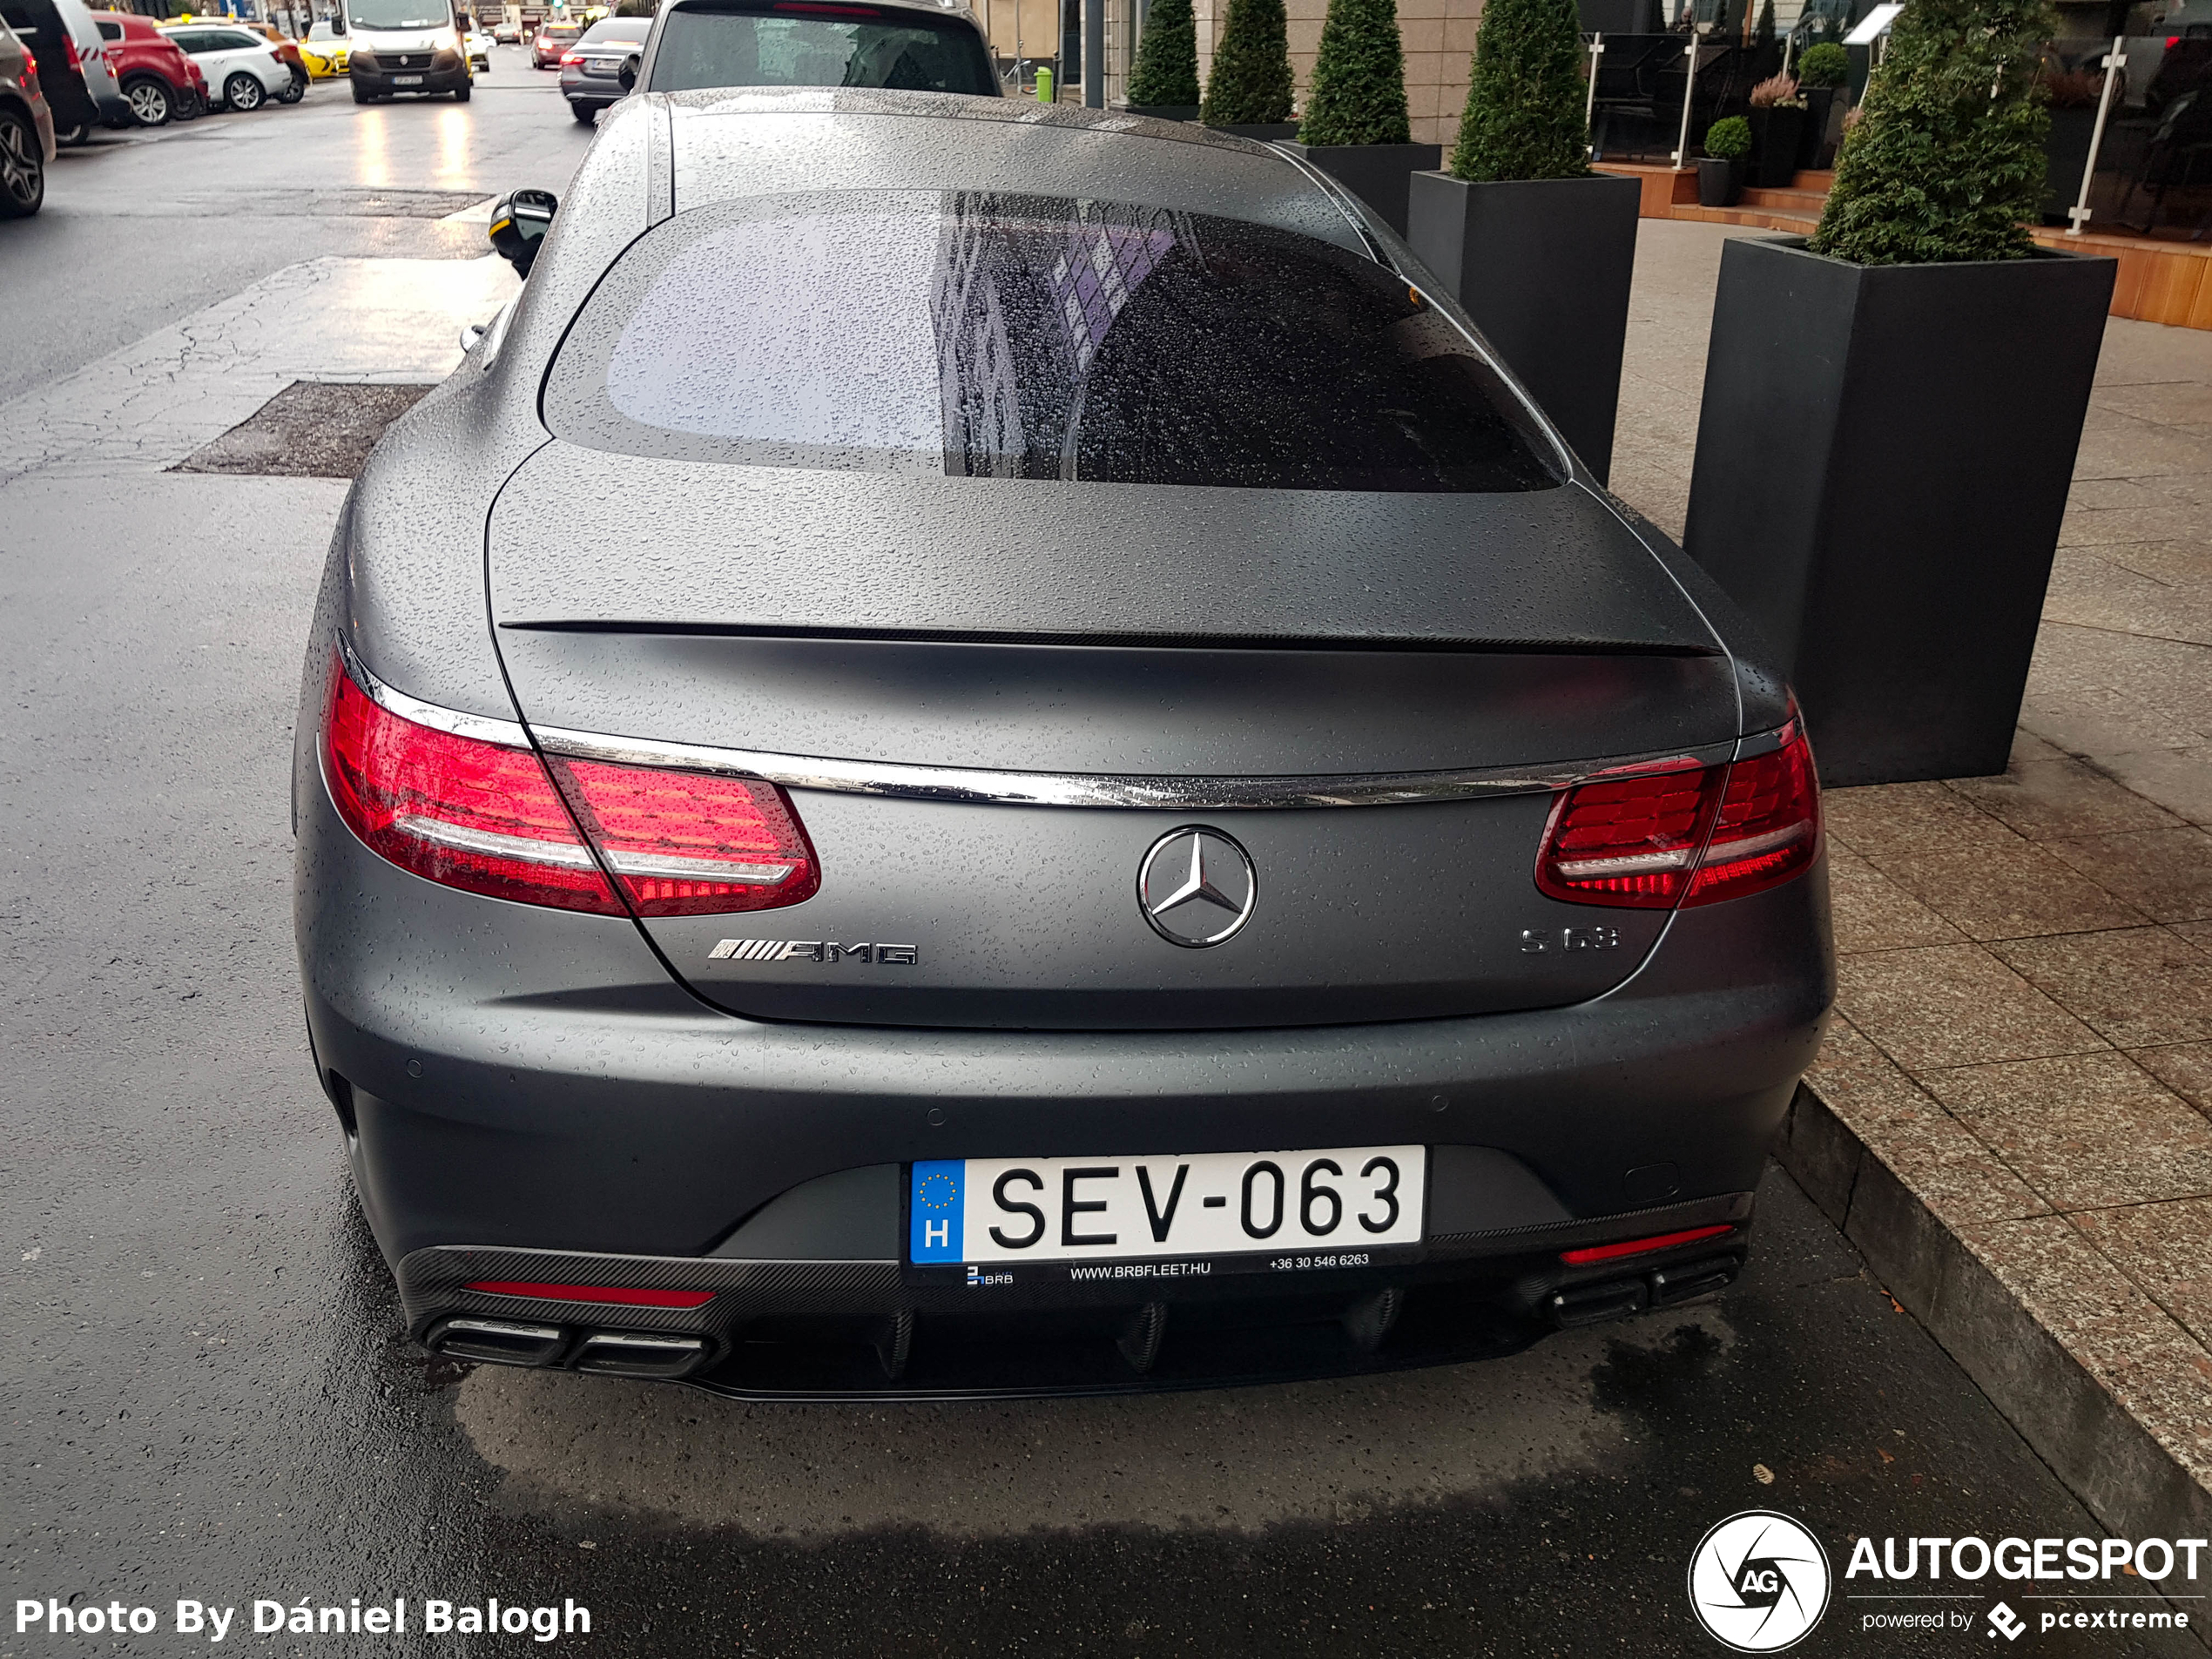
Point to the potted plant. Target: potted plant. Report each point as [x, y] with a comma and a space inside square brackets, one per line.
[1720, 170]
[1356, 126]
[1249, 92]
[1164, 83]
[1892, 409]
[1777, 121]
[1537, 247]
[1822, 69]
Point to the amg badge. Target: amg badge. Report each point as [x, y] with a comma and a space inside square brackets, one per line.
[811, 950]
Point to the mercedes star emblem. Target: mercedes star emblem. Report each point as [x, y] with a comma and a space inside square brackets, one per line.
[1196, 887]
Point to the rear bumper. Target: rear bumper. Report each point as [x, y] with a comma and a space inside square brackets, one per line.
[518, 1080]
[596, 90]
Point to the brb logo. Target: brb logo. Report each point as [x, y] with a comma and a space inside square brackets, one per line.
[1758, 1582]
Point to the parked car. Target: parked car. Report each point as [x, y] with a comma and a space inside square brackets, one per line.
[324, 51]
[411, 46]
[507, 33]
[157, 83]
[244, 69]
[26, 130]
[903, 971]
[73, 73]
[550, 41]
[479, 50]
[288, 51]
[591, 69]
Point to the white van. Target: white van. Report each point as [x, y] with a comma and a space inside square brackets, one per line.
[405, 46]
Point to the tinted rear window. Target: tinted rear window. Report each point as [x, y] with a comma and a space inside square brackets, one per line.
[989, 335]
[629, 28]
[804, 43]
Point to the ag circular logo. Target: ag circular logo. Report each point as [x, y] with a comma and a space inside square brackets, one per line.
[1758, 1582]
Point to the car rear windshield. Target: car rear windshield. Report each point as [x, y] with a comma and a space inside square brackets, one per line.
[624, 29]
[981, 334]
[816, 42]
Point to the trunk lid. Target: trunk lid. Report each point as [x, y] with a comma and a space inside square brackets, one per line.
[1118, 641]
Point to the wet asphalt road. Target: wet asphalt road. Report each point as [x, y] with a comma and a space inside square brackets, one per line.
[204, 1396]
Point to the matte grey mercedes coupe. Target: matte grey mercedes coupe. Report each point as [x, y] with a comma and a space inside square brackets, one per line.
[980, 749]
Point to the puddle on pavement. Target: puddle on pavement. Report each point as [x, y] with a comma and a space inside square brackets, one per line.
[1214, 1460]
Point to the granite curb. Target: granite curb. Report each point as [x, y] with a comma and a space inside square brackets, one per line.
[2129, 1480]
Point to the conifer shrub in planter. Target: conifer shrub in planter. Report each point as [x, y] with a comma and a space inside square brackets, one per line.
[1537, 247]
[1892, 406]
[1250, 90]
[1777, 119]
[1356, 126]
[1164, 82]
[1720, 170]
[1822, 69]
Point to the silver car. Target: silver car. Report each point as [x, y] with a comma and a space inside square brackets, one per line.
[591, 69]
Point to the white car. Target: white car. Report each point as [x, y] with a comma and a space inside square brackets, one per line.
[480, 51]
[243, 70]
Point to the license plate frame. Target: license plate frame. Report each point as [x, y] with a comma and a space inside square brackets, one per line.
[406, 80]
[1132, 1220]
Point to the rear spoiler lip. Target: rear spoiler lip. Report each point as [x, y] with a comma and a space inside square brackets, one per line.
[1469, 645]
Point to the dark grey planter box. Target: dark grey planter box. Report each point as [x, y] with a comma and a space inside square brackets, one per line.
[1265, 131]
[1882, 460]
[1542, 265]
[1720, 180]
[1377, 174]
[1165, 111]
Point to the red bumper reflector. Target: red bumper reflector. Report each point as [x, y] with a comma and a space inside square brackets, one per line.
[612, 1294]
[1612, 1252]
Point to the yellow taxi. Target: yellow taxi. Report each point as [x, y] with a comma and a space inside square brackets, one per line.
[325, 52]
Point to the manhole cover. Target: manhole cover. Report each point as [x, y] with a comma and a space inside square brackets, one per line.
[311, 429]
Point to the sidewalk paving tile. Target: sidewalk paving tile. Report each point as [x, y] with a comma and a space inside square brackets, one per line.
[2007, 890]
[2165, 1249]
[1872, 913]
[2166, 874]
[1897, 821]
[2061, 799]
[1954, 1005]
[2134, 986]
[2185, 1068]
[2085, 1130]
[2178, 780]
[1932, 1152]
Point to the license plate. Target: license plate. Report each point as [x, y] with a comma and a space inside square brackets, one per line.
[1304, 1209]
[406, 80]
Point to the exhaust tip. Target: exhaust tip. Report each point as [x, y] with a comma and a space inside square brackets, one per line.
[634, 1353]
[500, 1342]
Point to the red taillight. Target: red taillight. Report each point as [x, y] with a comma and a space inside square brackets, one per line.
[69, 51]
[487, 818]
[685, 844]
[1684, 833]
[1768, 826]
[1629, 840]
[616, 1295]
[570, 57]
[1628, 1247]
[29, 68]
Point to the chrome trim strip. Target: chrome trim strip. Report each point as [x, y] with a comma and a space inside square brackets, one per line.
[483, 728]
[492, 844]
[1061, 789]
[991, 787]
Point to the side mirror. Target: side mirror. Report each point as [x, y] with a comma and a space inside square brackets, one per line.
[337, 23]
[519, 222]
[628, 74]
